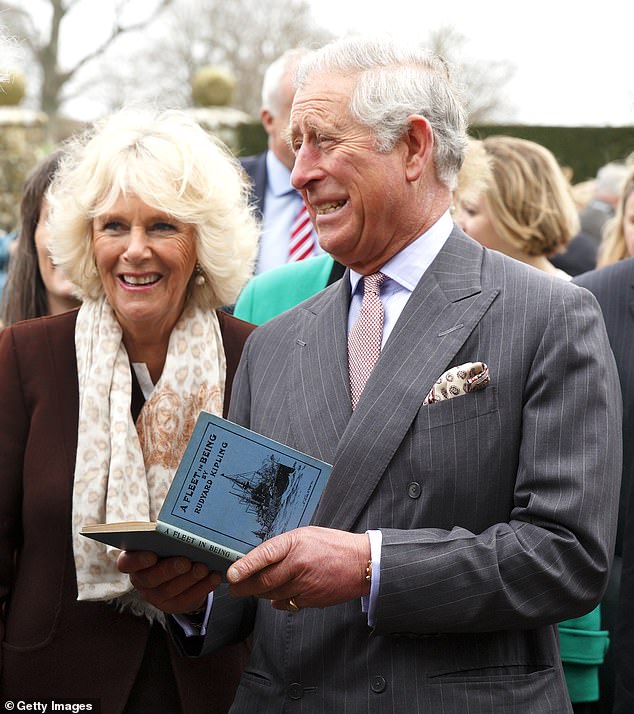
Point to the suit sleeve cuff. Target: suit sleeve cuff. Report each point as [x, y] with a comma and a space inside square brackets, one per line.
[192, 627]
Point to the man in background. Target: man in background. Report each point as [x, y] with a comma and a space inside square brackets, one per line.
[613, 286]
[605, 198]
[287, 233]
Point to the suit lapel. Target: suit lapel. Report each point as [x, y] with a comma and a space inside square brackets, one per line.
[441, 313]
[320, 407]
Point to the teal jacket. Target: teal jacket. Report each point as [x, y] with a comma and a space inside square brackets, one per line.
[583, 647]
[270, 293]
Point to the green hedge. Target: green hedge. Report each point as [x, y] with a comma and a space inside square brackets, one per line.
[584, 149]
[252, 138]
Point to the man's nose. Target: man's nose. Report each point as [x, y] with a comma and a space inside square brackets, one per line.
[306, 167]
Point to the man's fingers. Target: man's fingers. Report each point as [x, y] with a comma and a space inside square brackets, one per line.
[270, 552]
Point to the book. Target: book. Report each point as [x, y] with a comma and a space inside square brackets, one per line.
[233, 489]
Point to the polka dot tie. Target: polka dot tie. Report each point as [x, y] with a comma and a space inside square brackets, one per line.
[364, 340]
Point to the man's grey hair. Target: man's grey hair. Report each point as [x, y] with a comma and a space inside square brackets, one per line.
[394, 82]
[274, 76]
[610, 179]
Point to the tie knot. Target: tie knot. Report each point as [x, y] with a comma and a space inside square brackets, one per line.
[372, 283]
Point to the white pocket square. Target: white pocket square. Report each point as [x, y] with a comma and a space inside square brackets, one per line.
[468, 377]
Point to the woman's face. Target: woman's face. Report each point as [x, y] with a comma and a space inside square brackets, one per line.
[472, 215]
[145, 259]
[59, 291]
[628, 223]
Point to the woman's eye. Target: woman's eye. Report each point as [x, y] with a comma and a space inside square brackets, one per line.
[164, 227]
[112, 226]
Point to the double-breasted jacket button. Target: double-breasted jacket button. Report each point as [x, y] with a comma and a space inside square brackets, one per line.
[413, 489]
[378, 684]
[295, 690]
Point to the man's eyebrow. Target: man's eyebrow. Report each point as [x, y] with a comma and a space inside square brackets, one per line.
[306, 126]
[287, 135]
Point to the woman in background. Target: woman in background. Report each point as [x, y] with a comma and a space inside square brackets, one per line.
[35, 286]
[526, 210]
[618, 234]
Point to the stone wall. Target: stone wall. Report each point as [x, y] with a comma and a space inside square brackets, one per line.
[222, 122]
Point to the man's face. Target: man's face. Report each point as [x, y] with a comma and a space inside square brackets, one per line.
[357, 197]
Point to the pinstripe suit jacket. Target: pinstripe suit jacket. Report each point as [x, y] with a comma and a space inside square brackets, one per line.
[498, 508]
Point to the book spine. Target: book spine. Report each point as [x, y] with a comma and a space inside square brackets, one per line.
[197, 542]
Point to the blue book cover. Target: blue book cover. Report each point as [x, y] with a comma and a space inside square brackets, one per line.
[233, 489]
[237, 488]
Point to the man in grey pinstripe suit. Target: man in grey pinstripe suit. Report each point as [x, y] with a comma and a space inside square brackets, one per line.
[486, 518]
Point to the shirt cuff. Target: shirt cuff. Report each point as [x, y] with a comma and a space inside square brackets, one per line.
[368, 602]
[195, 629]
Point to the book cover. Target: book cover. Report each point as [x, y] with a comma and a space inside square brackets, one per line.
[233, 489]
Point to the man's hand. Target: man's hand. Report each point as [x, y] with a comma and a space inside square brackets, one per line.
[174, 585]
[317, 567]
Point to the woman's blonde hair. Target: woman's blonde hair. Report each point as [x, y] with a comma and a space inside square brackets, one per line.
[613, 247]
[475, 175]
[171, 164]
[529, 199]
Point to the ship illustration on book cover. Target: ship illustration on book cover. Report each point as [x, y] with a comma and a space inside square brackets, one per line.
[239, 488]
[268, 493]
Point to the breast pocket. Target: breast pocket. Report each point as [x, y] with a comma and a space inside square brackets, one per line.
[459, 409]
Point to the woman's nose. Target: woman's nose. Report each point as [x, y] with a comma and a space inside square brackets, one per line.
[138, 244]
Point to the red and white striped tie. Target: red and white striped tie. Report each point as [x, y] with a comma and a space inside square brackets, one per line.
[302, 236]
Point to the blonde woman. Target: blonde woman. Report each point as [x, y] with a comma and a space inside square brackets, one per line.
[149, 219]
[525, 209]
[618, 234]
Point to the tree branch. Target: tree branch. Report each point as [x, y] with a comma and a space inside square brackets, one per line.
[117, 31]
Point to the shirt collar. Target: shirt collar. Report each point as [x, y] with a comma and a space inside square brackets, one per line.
[408, 265]
[278, 176]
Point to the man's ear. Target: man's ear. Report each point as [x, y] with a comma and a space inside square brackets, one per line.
[267, 120]
[419, 141]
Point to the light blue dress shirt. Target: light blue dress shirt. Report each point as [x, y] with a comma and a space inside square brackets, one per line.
[281, 204]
